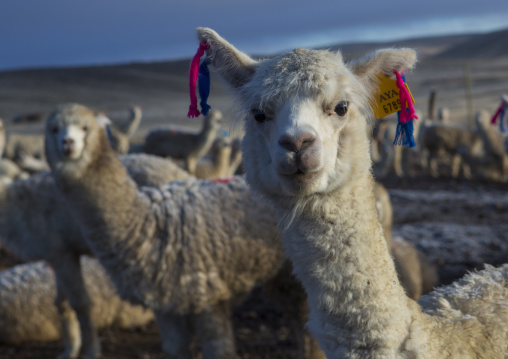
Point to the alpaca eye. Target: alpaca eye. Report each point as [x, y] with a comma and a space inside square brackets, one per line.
[341, 108]
[85, 128]
[259, 115]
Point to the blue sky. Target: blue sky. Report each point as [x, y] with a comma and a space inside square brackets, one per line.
[40, 33]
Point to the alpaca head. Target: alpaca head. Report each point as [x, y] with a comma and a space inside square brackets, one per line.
[221, 149]
[213, 119]
[70, 134]
[305, 113]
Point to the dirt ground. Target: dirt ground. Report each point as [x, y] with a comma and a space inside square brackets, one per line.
[458, 224]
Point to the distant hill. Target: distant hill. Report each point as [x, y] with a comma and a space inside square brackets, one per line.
[463, 47]
[426, 46]
[484, 46]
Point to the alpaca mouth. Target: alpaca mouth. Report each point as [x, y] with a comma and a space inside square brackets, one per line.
[301, 178]
[68, 151]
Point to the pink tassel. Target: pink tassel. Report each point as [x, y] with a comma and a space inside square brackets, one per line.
[193, 78]
[498, 112]
[407, 112]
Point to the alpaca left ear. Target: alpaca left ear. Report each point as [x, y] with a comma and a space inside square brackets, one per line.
[236, 67]
[382, 61]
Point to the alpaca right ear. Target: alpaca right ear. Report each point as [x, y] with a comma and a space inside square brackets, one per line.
[233, 65]
[382, 61]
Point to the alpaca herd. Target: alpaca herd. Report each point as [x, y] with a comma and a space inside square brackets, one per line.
[443, 148]
[184, 245]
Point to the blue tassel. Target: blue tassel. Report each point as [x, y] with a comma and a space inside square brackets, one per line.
[501, 120]
[204, 86]
[110, 137]
[404, 133]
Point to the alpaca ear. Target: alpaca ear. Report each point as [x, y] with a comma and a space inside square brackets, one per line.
[233, 65]
[385, 61]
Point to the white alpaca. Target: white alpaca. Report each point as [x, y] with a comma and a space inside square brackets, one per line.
[35, 224]
[181, 144]
[27, 304]
[306, 148]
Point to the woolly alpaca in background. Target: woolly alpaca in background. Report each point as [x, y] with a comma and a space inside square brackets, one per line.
[35, 224]
[306, 148]
[180, 144]
[202, 200]
[28, 313]
[186, 250]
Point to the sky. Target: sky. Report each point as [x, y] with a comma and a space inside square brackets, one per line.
[49, 33]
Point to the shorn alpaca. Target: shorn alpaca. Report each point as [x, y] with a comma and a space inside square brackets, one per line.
[181, 144]
[306, 148]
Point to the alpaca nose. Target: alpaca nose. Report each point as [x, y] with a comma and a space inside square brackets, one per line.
[68, 141]
[297, 142]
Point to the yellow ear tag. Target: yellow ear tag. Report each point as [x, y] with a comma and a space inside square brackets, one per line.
[386, 99]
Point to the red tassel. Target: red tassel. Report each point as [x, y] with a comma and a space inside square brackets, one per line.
[193, 77]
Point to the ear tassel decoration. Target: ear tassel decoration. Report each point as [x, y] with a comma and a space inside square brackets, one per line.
[406, 115]
[193, 77]
[500, 113]
[204, 86]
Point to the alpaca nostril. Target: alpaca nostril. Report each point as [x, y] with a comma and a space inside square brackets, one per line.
[68, 141]
[298, 142]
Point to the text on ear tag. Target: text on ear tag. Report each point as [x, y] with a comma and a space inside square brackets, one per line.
[386, 99]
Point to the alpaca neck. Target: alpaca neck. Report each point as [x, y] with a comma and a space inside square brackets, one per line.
[339, 253]
[221, 161]
[100, 192]
[206, 136]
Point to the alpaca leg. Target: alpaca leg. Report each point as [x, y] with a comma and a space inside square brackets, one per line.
[504, 169]
[215, 332]
[433, 167]
[387, 162]
[191, 164]
[71, 334]
[457, 159]
[175, 334]
[397, 161]
[375, 155]
[70, 278]
[466, 169]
